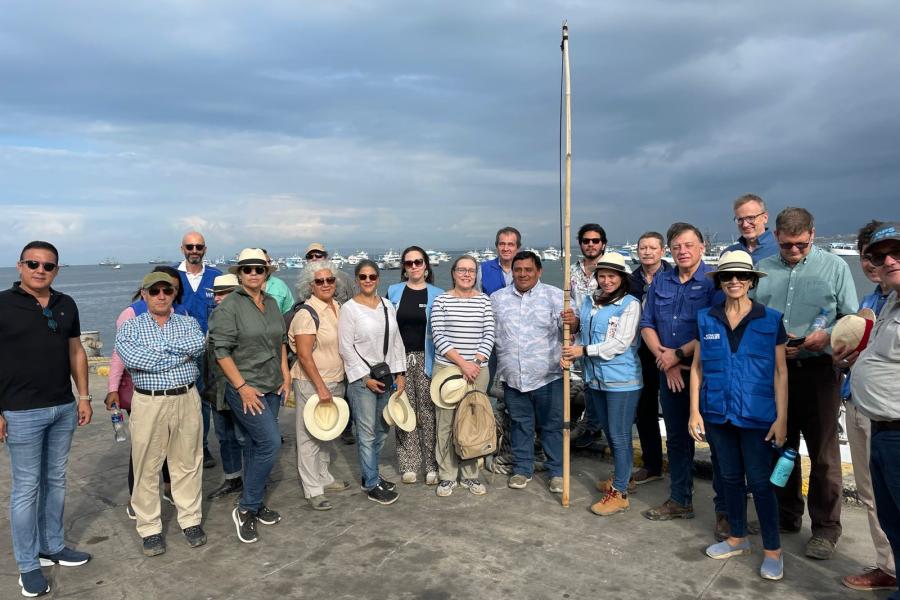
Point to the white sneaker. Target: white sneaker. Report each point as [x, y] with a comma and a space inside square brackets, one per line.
[431, 478]
[408, 477]
[445, 488]
[475, 486]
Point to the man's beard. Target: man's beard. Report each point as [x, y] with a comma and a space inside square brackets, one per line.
[194, 259]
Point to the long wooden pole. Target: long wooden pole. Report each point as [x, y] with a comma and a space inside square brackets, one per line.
[567, 253]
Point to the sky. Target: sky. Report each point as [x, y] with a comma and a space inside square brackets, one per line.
[375, 124]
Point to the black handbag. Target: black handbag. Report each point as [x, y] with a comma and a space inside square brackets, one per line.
[380, 372]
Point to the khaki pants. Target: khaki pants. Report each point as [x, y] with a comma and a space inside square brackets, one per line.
[858, 434]
[166, 427]
[450, 467]
[313, 455]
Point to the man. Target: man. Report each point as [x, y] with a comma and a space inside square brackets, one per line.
[668, 327]
[316, 251]
[277, 288]
[883, 575]
[528, 343]
[592, 239]
[650, 252]
[751, 218]
[196, 280]
[40, 355]
[874, 385]
[160, 348]
[804, 280]
[497, 273]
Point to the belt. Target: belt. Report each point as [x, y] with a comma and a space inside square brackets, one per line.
[812, 361]
[175, 391]
[885, 425]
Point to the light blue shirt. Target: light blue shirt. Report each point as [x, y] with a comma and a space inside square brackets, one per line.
[767, 246]
[160, 357]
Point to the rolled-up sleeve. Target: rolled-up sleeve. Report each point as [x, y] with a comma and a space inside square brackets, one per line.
[619, 342]
[223, 331]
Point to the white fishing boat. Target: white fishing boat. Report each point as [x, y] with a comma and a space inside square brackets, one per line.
[551, 253]
[338, 259]
[535, 250]
[354, 259]
[390, 260]
[117, 266]
[843, 249]
[294, 262]
[434, 257]
[444, 257]
[209, 263]
[474, 254]
[488, 254]
[109, 262]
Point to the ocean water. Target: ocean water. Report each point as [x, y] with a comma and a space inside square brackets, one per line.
[102, 292]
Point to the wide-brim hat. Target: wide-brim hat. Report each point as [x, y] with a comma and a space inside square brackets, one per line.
[851, 332]
[448, 387]
[401, 411]
[316, 247]
[251, 257]
[735, 261]
[224, 283]
[612, 261]
[325, 421]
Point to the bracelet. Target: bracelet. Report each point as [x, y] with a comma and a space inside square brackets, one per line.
[240, 386]
[89, 397]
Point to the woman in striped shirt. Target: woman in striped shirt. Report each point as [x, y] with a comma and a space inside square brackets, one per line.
[462, 325]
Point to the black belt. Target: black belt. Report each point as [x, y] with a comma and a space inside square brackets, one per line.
[812, 361]
[885, 425]
[175, 391]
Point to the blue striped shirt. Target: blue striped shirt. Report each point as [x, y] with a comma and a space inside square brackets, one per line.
[160, 357]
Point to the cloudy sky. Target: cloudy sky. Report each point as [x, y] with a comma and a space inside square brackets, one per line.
[370, 124]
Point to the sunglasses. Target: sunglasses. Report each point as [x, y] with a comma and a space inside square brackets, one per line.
[597, 241]
[51, 322]
[192, 247]
[369, 276]
[34, 264]
[725, 277]
[315, 255]
[798, 245]
[877, 260]
[416, 262]
[168, 290]
[321, 281]
[248, 270]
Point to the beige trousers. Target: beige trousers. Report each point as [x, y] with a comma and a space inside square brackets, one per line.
[166, 427]
[313, 455]
[450, 467]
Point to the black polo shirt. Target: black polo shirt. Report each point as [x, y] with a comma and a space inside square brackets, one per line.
[34, 359]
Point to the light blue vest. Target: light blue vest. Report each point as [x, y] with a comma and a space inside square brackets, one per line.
[395, 293]
[622, 373]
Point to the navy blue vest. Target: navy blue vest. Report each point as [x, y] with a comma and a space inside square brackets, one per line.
[492, 276]
[200, 303]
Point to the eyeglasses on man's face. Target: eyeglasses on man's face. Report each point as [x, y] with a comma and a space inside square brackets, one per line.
[749, 219]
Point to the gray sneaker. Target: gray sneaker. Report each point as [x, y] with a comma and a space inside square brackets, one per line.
[474, 486]
[518, 482]
[445, 488]
[556, 485]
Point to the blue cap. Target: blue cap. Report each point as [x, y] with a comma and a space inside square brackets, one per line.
[887, 231]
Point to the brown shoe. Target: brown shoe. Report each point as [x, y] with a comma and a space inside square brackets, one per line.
[607, 484]
[670, 510]
[642, 476]
[723, 527]
[870, 579]
[613, 502]
[819, 548]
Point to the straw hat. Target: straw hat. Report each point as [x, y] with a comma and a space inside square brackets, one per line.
[401, 411]
[736, 261]
[251, 257]
[612, 261]
[224, 283]
[325, 421]
[448, 387]
[851, 331]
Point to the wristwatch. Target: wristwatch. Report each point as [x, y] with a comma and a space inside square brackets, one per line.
[679, 353]
[480, 362]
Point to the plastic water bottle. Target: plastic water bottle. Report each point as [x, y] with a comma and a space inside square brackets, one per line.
[820, 321]
[118, 421]
[783, 467]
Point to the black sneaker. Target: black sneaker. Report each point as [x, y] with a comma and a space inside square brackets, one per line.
[382, 495]
[382, 482]
[229, 487]
[195, 536]
[266, 515]
[208, 461]
[154, 545]
[245, 522]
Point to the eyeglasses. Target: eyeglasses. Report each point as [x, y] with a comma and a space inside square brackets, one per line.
[878, 259]
[597, 241]
[248, 270]
[750, 219]
[416, 262]
[321, 281]
[726, 276]
[369, 276]
[315, 255]
[798, 245]
[34, 264]
[51, 322]
[168, 290]
[465, 271]
[193, 247]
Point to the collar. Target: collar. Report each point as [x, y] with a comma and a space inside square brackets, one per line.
[316, 303]
[881, 294]
[757, 311]
[815, 250]
[699, 274]
[760, 241]
[663, 267]
[17, 288]
[516, 291]
[183, 267]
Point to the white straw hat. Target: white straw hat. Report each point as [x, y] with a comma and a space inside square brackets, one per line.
[325, 421]
[448, 387]
[401, 411]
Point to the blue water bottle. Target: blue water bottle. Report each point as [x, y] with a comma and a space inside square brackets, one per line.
[783, 467]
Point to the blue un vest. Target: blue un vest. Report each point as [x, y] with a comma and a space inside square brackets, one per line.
[199, 304]
[739, 387]
[622, 373]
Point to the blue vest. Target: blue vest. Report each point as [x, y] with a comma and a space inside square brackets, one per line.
[621, 373]
[140, 307]
[395, 293]
[200, 303]
[492, 276]
[738, 387]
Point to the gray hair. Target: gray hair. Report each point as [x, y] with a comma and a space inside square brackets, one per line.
[307, 274]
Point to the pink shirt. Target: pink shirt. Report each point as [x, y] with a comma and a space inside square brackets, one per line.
[119, 378]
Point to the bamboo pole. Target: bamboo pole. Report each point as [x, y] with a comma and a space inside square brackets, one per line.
[567, 252]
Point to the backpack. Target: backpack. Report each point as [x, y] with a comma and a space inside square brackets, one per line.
[474, 427]
[288, 319]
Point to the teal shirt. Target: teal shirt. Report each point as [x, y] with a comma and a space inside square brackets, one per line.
[279, 290]
[821, 280]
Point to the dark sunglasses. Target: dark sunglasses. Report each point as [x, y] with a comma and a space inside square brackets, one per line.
[416, 262]
[51, 322]
[192, 247]
[597, 241]
[168, 290]
[315, 255]
[798, 245]
[328, 280]
[34, 264]
[258, 270]
[877, 260]
[370, 277]
[726, 276]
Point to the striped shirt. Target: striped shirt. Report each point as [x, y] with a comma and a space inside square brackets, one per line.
[160, 357]
[462, 324]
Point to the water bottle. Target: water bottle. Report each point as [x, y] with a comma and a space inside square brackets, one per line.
[783, 467]
[820, 321]
[118, 421]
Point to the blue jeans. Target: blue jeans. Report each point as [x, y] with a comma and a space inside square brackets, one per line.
[232, 445]
[542, 408]
[262, 443]
[676, 408]
[366, 407]
[885, 470]
[745, 460]
[38, 441]
[615, 413]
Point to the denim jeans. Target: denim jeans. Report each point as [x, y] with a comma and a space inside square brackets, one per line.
[262, 442]
[745, 461]
[615, 413]
[885, 469]
[676, 409]
[371, 430]
[542, 408]
[232, 445]
[38, 441]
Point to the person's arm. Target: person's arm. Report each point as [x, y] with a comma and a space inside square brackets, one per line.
[190, 342]
[285, 388]
[304, 344]
[696, 427]
[778, 431]
[78, 364]
[346, 337]
[116, 366]
[138, 356]
[223, 335]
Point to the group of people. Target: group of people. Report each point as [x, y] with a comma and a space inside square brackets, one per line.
[739, 356]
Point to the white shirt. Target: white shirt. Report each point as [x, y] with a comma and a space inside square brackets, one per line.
[361, 329]
[193, 279]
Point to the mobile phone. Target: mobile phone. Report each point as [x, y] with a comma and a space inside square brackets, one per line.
[796, 341]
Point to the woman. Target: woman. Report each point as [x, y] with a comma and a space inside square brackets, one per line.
[739, 403]
[609, 321]
[250, 340]
[462, 324]
[413, 298]
[369, 337]
[319, 370]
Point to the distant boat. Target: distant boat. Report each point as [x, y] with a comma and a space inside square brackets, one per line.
[117, 266]
[158, 261]
[108, 262]
[390, 260]
[843, 249]
[551, 253]
[354, 259]
[338, 259]
[433, 257]
[488, 254]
